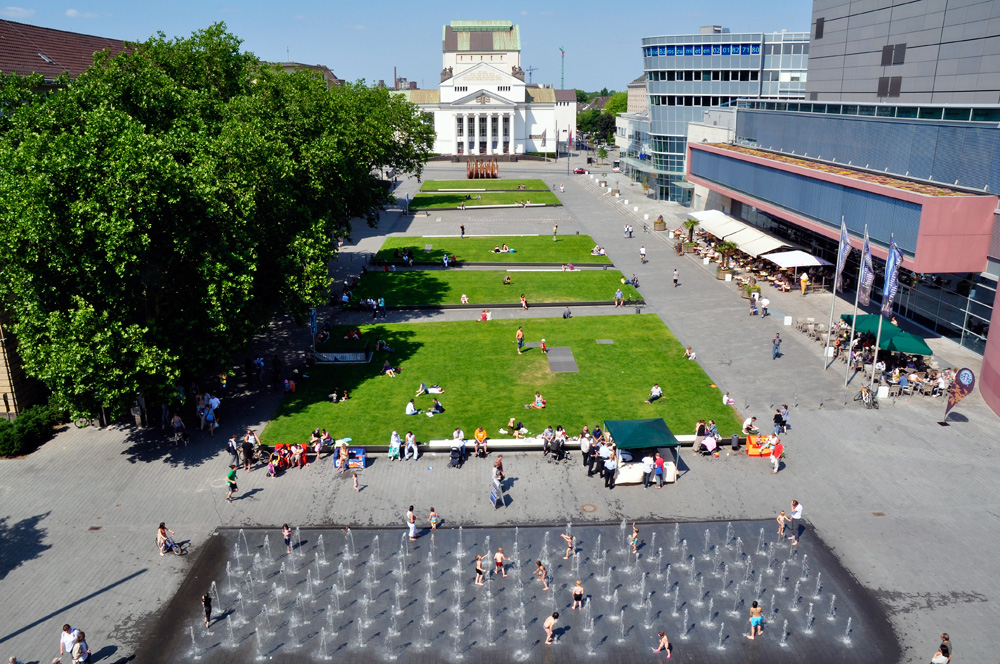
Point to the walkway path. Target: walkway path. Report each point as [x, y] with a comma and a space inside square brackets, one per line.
[910, 507]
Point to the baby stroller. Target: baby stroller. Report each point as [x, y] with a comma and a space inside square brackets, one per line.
[707, 446]
[456, 457]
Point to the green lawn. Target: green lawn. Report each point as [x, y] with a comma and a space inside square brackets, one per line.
[528, 249]
[423, 287]
[486, 382]
[448, 201]
[488, 185]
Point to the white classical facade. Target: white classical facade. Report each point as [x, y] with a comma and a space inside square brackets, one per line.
[483, 106]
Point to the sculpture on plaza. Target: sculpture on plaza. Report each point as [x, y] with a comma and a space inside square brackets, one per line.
[482, 169]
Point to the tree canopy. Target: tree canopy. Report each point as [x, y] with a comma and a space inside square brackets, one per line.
[616, 104]
[158, 210]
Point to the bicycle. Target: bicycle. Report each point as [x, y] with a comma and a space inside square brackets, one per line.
[868, 398]
[170, 545]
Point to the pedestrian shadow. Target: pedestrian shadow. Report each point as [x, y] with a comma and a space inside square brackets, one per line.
[21, 542]
[106, 651]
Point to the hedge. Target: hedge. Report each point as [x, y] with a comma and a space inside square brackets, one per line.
[27, 433]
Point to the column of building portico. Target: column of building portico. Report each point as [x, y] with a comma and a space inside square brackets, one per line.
[465, 132]
[489, 133]
[475, 124]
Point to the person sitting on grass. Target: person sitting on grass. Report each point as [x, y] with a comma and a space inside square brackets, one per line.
[689, 354]
[538, 403]
[655, 393]
[436, 407]
[506, 280]
[388, 370]
[496, 249]
[505, 250]
[411, 408]
[433, 389]
[465, 298]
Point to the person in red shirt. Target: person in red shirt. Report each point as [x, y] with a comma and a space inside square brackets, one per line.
[544, 349]
[659, 470]
[776, 455]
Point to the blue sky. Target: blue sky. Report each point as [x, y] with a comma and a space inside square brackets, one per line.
[366, 39]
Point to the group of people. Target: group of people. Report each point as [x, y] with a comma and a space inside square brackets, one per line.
[598, 250]
[600, 455]
[72, 642]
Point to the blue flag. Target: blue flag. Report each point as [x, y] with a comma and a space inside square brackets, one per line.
[845, 249]
[867, 276]
[891, 278]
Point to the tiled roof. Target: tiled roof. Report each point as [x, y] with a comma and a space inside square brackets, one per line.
[29, 49]
[640, 81]
[541, 95]
[481, 36]
[420, 96]
[565, 95]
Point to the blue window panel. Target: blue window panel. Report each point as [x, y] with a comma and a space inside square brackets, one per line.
[978, 148]
[662, 50]
[725, 49]
[689, 50]
[745, 49]
[821, 201]
[755, 49]
[947, 158]
[670, 50]
[697, 50]
[716, 49]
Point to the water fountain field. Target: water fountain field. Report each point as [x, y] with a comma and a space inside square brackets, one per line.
[374, 596]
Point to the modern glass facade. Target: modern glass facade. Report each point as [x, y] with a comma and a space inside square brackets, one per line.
[956, 306]
[685, 74]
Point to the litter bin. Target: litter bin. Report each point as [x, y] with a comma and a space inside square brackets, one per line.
[590, 160]
[736, 442]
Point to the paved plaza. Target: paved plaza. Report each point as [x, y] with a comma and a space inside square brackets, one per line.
[905, 506]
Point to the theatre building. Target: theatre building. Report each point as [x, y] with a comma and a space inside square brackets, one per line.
[483, 106]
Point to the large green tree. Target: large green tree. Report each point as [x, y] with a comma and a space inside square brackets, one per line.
[157, 211]
[616, 104]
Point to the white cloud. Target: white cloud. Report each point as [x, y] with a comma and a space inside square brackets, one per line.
[357, 27]
[74, 13]
[524, 12]
[16, 12]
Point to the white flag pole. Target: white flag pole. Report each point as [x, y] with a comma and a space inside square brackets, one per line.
[833, 302]
[854, 320]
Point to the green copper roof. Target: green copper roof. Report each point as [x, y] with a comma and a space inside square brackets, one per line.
[481, 36]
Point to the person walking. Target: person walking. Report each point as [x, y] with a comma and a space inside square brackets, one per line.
[433, 519]
[247, 454]
[677, 276]
[66, 639]
[549, 627]
[662, 644]
[206, 603]
[642, 254]
[610, 468]
[231, 481]
[796, 519]
[555, 231]
[944, 651]
[542, 574]
[777, 421]
[776, 453]
[234, 450]
[461, 231]
[519, 337]
[411, 522]
[480, 572]
[498, 558]
[286, 534]
[776, 346]
[764, 304]
[81, 651]
[784, 417]
[756, 621]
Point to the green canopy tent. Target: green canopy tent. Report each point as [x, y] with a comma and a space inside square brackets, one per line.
[868, 324]
[904, 342]
[640, 434]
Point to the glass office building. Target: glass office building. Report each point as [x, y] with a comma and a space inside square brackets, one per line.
[685, 74]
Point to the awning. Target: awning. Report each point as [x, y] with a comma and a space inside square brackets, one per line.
[638, 434]
[795, 258]
[750, 239]
[905, 342]
[717, 223]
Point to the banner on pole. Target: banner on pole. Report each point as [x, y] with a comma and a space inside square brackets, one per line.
[960, 388]
[843, 252]
[867, 276]
[891, 278]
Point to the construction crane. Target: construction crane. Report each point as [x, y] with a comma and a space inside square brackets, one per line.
[562, 75]
[529, 70]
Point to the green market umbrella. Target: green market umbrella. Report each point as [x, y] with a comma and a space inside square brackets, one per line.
[868, 324]
[904, 342]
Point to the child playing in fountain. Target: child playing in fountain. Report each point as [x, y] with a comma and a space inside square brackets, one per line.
[542, 574]
[782, 520]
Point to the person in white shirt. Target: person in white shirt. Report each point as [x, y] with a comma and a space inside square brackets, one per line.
[796, 519]
[655, 393]
[459, 438]
[411, 408]
[66, 640]
[648, 465]
[764, 304]
[749, 426]
[411, 444]
[728, 400]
